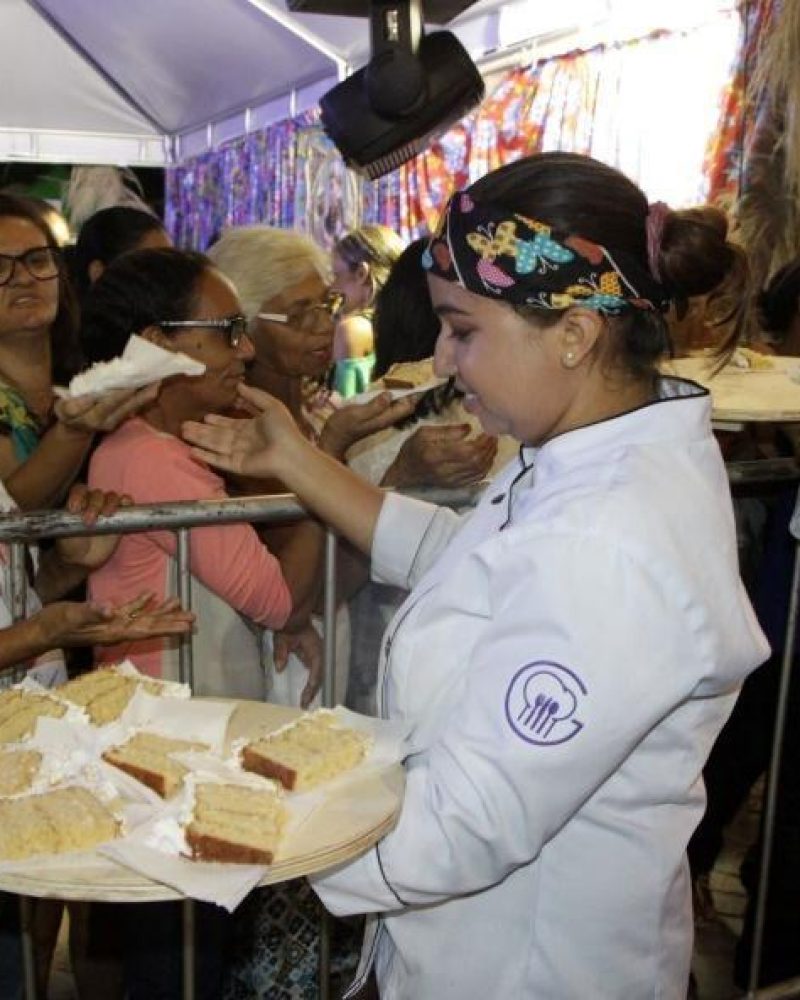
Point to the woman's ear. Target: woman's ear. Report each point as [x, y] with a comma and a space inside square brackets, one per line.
[580, 333]
[363, 273]
[95, 270]
[155, 335]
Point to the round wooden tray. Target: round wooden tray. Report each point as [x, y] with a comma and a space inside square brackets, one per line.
[347, 823]
[745, 395]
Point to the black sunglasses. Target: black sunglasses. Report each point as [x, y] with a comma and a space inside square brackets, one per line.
[234, 327]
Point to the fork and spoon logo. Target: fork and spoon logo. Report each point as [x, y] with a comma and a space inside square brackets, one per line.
[542, 701]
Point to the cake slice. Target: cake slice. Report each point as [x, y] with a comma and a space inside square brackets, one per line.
[19, 711]
[103, 693]
[235, 823]
[66, 819]
[18, 768]
[307, 752]
[147, 757]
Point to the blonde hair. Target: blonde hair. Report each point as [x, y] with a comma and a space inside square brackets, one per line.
[376, 246]
[262, 261]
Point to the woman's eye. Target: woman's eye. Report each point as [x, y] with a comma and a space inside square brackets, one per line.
[461, 334]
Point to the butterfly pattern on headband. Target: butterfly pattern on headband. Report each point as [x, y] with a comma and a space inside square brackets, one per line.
[507, 255]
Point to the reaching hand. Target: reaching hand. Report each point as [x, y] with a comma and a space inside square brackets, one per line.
[351, 423]
[106, 411]
[306, 644]
[73, 624]
[90, 552]
[442, 456]
[247, 447]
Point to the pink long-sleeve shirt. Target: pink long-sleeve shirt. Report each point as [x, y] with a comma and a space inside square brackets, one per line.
[230, 561]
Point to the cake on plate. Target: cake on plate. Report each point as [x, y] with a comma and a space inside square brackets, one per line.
[307, 752]
[235, 823]
[19, 710]
[104, 693]
[65, 819]
[18, 768]
[148, 758]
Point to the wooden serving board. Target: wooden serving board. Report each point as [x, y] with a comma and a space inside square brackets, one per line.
[348, 822]
[743, 395]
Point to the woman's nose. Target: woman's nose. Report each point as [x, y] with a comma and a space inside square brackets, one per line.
[444, 356]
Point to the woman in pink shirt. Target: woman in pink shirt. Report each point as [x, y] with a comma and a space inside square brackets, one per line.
[181, 302]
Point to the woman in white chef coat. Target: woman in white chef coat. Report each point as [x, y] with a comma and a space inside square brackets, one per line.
[568, 651]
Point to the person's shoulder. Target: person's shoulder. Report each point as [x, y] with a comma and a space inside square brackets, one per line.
[354, 334]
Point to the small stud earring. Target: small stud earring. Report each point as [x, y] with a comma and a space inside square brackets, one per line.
[568, 359]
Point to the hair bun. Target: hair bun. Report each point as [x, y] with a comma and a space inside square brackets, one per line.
[695, 256]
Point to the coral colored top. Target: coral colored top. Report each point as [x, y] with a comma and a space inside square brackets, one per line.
[232, 570]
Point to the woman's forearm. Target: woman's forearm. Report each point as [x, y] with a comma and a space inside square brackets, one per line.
[43, 480]
[337, 496]
[22, 641]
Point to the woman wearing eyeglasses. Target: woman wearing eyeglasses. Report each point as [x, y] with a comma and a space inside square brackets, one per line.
[181, 302]
[42, 443]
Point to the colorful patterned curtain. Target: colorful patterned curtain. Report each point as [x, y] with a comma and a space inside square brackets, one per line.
[627, 103]
[727, 150]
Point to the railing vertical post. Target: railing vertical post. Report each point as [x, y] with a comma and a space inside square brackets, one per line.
[186, 648]
[186, 676]
[19, 606]
[189, 947]
[773, 777]
[328, 700]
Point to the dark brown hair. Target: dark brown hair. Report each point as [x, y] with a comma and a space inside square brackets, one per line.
[584, 197]
[65, 349]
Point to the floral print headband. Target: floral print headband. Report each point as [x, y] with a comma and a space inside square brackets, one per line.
[500, 254]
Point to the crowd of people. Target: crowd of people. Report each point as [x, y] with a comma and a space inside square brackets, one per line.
[564, 656]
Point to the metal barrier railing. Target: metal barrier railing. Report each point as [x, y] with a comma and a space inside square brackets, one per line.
[20, 530]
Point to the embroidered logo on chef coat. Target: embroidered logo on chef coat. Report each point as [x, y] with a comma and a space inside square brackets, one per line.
[542, 703]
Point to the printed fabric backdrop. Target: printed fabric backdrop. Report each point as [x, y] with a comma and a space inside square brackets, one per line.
[632, 104]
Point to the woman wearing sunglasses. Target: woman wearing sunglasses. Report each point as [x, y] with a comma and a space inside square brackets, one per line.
[181, 302]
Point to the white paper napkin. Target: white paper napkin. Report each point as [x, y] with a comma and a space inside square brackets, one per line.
[140, 364]
[365, 397]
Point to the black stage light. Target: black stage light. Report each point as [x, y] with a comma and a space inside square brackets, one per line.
[414, 87]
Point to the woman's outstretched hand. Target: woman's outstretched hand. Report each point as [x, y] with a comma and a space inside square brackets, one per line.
[250, 447]
[103, 412]
[353, 422]
[75, 624]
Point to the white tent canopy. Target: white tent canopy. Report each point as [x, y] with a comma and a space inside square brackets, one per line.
[148, 82]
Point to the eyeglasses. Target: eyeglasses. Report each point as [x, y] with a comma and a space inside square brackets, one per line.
[41, 263]
[309, 319]
[234, 327]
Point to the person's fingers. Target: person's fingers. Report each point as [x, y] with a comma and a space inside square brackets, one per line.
[93, 503]
[280, 651]
[224, 462]
[256, 397]
[133, 608]
[218, 420]
[76, 499]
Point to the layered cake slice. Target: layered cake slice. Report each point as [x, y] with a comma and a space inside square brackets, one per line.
[18, 768]
[66, 819]
[19, 711]
[307, 752]
[235, 823]
[102, 693]
[147, 757]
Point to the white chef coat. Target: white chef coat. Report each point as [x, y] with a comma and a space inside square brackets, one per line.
[565, 660]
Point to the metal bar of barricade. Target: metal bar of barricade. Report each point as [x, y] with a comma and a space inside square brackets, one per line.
[773, 774]
[19, 606]
[186, 676]
[328, 700]
[184, 594]
[188, 950]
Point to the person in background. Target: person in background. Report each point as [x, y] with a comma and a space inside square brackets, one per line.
[742, 752]
[181, 302]
[107, 235]
[570, 650]
[42, 442]
[362, 260]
